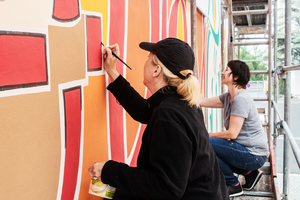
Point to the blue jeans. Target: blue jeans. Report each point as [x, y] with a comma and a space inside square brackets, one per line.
[235, 158]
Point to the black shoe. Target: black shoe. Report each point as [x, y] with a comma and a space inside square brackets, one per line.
[252, 179]
[235, 190]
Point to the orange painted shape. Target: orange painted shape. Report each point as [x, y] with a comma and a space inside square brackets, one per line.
[138, 19]
[95, 148]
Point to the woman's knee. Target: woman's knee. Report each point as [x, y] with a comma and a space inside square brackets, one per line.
[217, 144]
[213, 140]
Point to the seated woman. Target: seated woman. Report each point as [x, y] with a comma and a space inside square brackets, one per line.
[175, 160]
[243, 147]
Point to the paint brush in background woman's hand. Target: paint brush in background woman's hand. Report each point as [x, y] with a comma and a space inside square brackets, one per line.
[117, 57]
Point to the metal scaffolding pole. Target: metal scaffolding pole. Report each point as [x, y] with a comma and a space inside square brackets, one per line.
[224, 59]
[287, 97]
[250, 12]
[250, 43]
[231, 31]
[270, 119]
[275, 77]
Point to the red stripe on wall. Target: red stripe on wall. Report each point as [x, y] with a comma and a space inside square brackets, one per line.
[173, 20]
[164, 19]
[72, 100]
[65, 10]
[94, 48]
[23, 60]
[116, 35]
[154, 21]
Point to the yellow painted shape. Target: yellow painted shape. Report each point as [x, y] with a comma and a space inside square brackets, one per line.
[214, 11]
[180, 26]
[100, 7]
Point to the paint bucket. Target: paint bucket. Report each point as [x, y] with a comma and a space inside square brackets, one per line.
[100, 189]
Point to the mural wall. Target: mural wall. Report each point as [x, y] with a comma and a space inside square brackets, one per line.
[57, 117]
[209, 56]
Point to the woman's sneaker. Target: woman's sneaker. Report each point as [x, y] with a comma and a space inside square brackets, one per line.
[252, 179]
[235, 190]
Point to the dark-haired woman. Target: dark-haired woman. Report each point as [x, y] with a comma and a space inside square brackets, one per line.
[243, 147]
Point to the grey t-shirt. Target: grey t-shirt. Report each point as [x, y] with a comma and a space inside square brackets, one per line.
[252, 136]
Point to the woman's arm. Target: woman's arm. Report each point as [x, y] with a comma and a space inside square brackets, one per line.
[136, 106]
[235, 126]
[110, 61]
[166, 175]
[213, 102]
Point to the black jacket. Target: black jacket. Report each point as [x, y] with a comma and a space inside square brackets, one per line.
[176, 160]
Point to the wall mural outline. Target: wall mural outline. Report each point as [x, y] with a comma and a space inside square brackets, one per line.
[94, 71]
[66, 10]
[65, 77]
[64, 189]
[18, 35]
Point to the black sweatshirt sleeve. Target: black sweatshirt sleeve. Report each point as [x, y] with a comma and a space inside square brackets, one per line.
[136, 106]
[170, 159]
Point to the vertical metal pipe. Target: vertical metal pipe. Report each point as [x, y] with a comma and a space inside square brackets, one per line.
[287, 97]
[231, 34]
[270, 119]
[275, 77]
[194, 30]
[223, 65]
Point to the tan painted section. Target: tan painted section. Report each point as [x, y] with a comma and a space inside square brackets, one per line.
[30, 128]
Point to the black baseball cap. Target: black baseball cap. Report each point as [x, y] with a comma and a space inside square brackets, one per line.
[175, 54]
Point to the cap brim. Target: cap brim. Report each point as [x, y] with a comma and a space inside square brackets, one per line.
[148, 46]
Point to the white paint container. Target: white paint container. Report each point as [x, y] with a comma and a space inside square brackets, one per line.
[100, 189]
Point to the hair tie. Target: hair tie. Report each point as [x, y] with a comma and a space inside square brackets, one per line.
[188, 75]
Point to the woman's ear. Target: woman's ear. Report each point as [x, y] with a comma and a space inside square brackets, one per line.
[156, 71]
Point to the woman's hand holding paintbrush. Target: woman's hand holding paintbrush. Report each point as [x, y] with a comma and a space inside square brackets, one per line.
[116, 56]
[110, 61]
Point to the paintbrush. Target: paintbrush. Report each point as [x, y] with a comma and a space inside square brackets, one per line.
[117, 57]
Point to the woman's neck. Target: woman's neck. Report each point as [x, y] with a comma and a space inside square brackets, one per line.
[156, 85]
[234, 90]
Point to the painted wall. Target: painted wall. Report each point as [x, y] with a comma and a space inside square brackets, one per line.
[57, 117]
[209, 56]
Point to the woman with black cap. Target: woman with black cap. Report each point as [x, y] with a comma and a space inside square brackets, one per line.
[176, 160]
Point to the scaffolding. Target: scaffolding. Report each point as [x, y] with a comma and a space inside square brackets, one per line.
[247, 19]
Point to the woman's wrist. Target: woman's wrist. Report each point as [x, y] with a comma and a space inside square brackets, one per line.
[113, 74]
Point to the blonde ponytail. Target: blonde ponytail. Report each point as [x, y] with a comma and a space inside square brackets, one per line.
[188, 88]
